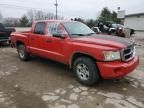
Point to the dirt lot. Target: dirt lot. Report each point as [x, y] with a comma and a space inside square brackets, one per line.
[41, 83]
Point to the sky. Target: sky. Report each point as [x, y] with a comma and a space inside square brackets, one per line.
[86, 9]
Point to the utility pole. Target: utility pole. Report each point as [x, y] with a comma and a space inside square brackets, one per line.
[56, 5]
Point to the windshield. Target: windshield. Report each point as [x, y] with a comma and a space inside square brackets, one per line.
[117, 26]
[78, 29]
[114, 25]
[121, 26]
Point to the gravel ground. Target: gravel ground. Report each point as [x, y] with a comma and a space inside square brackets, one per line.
[41, 83]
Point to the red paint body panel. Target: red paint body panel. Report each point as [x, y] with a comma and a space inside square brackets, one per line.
[62, 50]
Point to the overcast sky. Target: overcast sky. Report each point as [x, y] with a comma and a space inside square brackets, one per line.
[70, 8]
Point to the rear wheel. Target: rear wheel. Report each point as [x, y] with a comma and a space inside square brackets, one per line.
[86, 71]
[23, 55]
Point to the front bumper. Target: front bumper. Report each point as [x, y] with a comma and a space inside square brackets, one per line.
[117, 69]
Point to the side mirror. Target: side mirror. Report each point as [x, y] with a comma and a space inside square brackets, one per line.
[62, 36]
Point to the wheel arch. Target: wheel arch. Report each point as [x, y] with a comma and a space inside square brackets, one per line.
[79, 54]
[19, 42]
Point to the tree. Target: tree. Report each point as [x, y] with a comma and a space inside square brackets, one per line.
[11, 22]
[49, 16]
[91, 23]
[24, 21]
[105, 15]
[114, 17]
[30, 16]
[39, 15]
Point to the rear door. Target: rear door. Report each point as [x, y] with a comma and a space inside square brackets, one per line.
[37, 39]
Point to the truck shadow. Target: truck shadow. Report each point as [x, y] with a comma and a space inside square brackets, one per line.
[52, 67]
[48, 62]
[67, 74]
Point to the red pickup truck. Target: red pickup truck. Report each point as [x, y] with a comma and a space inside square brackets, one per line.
[91, 56]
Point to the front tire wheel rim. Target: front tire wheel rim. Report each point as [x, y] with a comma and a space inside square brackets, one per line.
[82, 71]
[21, 52]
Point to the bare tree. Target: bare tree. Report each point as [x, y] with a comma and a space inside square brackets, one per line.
[11, 22]
[40, 15]
[50, 16]
[30, 15]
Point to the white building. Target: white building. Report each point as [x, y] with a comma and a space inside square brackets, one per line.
[135, 21]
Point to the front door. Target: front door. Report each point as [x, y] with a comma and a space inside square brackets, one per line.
[56, 45]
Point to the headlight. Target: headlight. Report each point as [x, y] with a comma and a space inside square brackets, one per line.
[111, 55]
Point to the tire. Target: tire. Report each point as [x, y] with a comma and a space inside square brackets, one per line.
[22, 53]
[86, 71]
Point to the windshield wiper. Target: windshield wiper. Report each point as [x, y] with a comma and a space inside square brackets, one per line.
[84, 34]
[91, 34]
[79, 34]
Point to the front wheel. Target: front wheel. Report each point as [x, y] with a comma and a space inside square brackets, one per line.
[86, 71]
[22, 53]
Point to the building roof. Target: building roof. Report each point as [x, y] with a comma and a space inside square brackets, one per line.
[135, 14]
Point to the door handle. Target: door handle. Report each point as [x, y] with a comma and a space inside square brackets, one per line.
[32, 39]
[48, 41]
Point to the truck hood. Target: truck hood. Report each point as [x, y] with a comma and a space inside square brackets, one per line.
[105, 40]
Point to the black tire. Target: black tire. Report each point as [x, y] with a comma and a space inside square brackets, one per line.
[89, 66]
[22, 53]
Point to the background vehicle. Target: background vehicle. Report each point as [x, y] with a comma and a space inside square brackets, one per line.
[113, 28]
[5, 33]
[96, 30]
[89, 55]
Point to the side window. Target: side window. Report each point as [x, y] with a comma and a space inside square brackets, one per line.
[54, 28]
[40, 28]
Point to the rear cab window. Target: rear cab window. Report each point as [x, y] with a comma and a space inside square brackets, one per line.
[40, 28]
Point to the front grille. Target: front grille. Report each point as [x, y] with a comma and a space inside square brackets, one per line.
[128, 53]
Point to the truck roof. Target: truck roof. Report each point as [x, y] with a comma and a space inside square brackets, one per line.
[60, 21]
